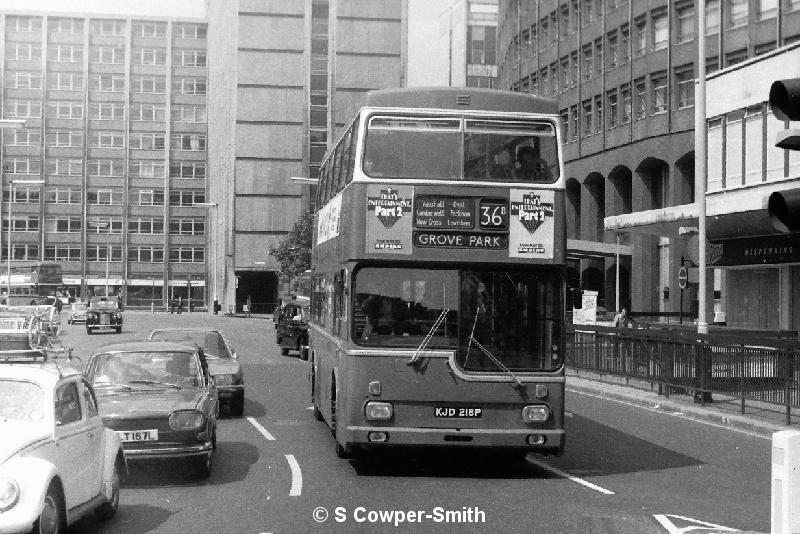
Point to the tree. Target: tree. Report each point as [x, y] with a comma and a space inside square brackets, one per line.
[293, 253]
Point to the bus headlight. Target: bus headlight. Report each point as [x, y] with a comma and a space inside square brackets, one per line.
[9, 493]
[535, 413]
[378, 411]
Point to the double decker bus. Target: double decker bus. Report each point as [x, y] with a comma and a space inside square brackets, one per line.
[438, 274]
[35, 278]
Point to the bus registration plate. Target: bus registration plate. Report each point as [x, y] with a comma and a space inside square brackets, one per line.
[457, 412]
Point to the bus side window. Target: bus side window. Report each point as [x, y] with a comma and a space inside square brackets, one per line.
[338, 303]
[352, 151]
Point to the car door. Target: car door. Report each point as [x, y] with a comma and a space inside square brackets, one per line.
[95, 432]
[72, 444]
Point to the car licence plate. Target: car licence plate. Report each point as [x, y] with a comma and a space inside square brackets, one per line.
[458, 412]
[138, 435]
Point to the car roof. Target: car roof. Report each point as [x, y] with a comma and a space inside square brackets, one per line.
[142, 346]
[43, 373]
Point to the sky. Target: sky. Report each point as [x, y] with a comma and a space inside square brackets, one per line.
[159, 8]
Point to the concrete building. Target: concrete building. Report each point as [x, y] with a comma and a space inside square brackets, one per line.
[164, 140]
[291, 73]
[623, 74]
[115, 144]
[467, 44]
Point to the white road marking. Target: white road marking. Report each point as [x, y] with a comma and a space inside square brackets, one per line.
[562, 474]
[693, 525]
[671, 414]
[261, 429]
[297, 476]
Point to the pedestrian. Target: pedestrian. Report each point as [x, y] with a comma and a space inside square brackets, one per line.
[248, 306]
[180, 304]
[171, 306]
[621, 319]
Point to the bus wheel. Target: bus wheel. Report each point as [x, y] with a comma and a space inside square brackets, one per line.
[342, 451]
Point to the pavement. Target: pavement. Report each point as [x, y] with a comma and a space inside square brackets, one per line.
[759, 418]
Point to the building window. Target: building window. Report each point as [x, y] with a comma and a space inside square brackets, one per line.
[62, 253]
[764, 48]
[108, 27]
[598, 114]
[101, 253]
[63, 167]
[22, 109]
[737, 56]
[106, 139]
[148, 197]
[685, 22]
[564, 115]
[148, 113]
[658, 81]
[107, 111]
[24, 194]
[767, 9]
[189, 86]
[21, 165]
[146, 225]
[63, 53]
[737, 13]
[149, 84]
[24, 51]
[188, 141]
[187, 255]
[150, 29]
[64, 138]
[598, 56]
[150, 56]
[190, 58]
[65, 81]
[65, 25]
[587, 118]
[63, 196]
[612, 49]
[109, 55]
[640, 88]
[188, 113]
[190, 31]
[147, 169]
[107, 83]
[186, 226]
[65, 109]
[588, 61]
[612, 107]
[147, 140]
[640, 36]
[660, 24]
[684, 83]
[712, 17]
[574, 129]
[564, 73]
[64, 225]
[22, 223]
[109, 168]
[187, 170]
[23, 138]
[792, 5]
[23, 24]
[146, 254]
[186, 197]
[24, 80]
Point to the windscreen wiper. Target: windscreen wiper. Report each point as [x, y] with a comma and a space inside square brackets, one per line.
[424, 345]
[492, 358]
[154, 383]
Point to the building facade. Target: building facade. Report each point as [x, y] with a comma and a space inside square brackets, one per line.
[623, 73]
[467, 42]
[291, 74]
[108, 168]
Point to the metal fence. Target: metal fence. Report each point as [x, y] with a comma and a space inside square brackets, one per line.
[754, 368]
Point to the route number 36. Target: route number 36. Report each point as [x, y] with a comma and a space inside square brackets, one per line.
[494, 215]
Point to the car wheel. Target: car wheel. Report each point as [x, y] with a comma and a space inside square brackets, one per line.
[237, 406]
[69, 321]
[88, 331]
[284, 351]
[51, 520]
[203, 464]
[108, 509]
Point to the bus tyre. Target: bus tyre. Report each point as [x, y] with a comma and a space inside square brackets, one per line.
[342, 451]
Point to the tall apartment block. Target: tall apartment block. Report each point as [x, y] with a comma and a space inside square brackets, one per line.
[623, 73]
[291, 74]
[113, 149]
[467, 39]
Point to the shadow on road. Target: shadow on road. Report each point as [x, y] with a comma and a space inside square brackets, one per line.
[232, 462]
[594, 449]
[131, 518]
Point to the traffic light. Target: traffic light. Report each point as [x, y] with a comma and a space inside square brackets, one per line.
[784, 100]
[784, 210]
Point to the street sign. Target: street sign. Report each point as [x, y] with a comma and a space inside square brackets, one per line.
[683, 277]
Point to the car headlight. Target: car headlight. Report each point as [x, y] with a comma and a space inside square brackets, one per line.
[186, 420]
[378, 411]
[224, 380]
[9, 493]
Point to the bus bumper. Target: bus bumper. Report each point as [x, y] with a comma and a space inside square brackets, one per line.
[365, 437]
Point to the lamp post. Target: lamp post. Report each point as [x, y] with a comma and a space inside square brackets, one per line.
[212, 250]
[12, 183]
[7, 124]
[97, 223]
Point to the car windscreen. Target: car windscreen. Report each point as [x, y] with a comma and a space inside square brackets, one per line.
[21, 401]
[104, 306]
[144, 368]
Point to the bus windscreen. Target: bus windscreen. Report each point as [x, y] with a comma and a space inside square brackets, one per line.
[456, 149]
[489, 316]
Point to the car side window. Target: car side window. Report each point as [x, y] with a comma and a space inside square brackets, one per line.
[91, 402]
[68, 404]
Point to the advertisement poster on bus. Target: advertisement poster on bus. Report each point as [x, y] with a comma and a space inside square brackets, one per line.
[328, 220]
[531, 226]
[389, 219]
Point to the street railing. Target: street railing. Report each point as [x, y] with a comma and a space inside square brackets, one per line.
[744, 367]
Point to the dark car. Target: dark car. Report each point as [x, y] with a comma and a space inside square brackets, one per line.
[222, 361]
[291, 327]
[160, 398]
[103, 315]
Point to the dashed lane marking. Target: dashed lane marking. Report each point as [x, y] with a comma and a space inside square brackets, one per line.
[563, 474]
[263, 431]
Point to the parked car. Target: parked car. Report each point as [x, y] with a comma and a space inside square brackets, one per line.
[103, 315]
[57, 460]
[160, 398]
[77, 312]
[291, 328]
[223, 363]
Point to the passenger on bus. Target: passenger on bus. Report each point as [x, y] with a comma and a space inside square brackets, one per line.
[530, 167]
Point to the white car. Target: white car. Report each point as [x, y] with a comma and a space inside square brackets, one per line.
[57, 460]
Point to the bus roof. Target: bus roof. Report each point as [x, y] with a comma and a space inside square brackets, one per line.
[461, 98]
